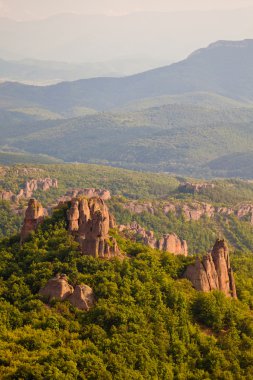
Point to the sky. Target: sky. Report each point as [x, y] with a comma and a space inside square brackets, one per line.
[36, 9]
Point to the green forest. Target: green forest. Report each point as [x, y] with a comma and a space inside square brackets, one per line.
[148, 322]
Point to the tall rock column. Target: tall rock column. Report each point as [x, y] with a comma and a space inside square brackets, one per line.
[34, 215]
[213, 272]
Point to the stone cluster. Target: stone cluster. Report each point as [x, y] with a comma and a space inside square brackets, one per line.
[193, 210]
[89, 221]
[29, 188]
[213, 271]
[82, 296]
[168, 242]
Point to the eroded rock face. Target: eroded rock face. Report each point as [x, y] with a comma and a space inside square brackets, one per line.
[213, 272]
[87, 193]
[168, 242]
[7, 196]
[34, 215]
[89, 221]
[190, 187]
[57, 287]
[82, 297]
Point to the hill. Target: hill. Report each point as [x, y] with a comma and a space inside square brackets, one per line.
[146, 320]
[224, 67]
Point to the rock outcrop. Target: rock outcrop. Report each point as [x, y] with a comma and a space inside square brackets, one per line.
[213, 272]
[87, 193]
[29, 188]
[90, 221]
[192, 210]
[7, 196]
[58, 288]
[168, 242]
[82, 297]
[189, 187]
[34, 215]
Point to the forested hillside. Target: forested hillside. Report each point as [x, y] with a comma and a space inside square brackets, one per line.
[147, 322]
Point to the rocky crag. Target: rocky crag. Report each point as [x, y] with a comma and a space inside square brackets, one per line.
[192, 210]
[89, 221]
[87, 193]
[213, 271]
[28, 189]
[82, 296]
[168, 242]
[34, 215]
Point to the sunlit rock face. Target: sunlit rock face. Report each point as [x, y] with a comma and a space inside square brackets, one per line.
[34, 215]
[89, 221]
[213, 272]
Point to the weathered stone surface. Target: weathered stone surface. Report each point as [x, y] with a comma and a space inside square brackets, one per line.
[138, 208]
[190, 187]
[213, 272]
[73, 216]
[87, 193]
[82, 297]
[89, 221]
[57, 287]
[34, 215]
[7, 196]
[168, 243]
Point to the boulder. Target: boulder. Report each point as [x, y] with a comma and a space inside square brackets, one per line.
[34, 215]
[57, 287]
[82, 297]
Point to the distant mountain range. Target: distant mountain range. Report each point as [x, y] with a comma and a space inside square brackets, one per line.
[194, 117]
[224, 68]
[46, 72]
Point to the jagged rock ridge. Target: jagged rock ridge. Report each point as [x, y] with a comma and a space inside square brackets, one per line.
[90, 221]
[29, 188]
[213, 271]
[168, 242]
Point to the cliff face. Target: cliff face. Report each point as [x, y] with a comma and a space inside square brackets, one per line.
[34, 215]
[213, 272]
[89, 221]
[168, 242]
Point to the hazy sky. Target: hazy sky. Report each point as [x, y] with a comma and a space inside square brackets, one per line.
[33, 9]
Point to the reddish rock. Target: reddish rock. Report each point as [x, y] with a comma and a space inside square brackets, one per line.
[7, 196]
[82, 297]
[89, 221]
[34, 215]
[213, 272]
[57, 287]
[73, 216]
[87, 193]
[168, 243]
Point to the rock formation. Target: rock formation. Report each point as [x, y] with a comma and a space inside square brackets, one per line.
[29, 188]
[168, 242]
[82, 297]
[7, 196]
[89, 221]
[192, 210]
[213, 272]
[57, 287]
[87, 193]
[34, 215]
[189, 187]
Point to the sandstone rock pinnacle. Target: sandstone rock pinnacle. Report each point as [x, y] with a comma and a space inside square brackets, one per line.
[34, 215]
[213, 272]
